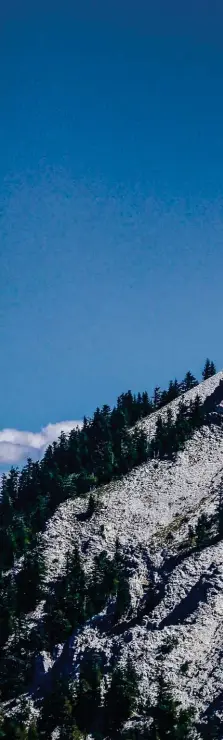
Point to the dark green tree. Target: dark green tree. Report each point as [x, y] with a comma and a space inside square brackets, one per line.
[189, 382]
[169, 438]
[8, 606]
[30, 580]
[32, 732]
[182, 425]
[103, 583]
[157, 444]
[57, 710]
[91, 506]
[173, 390]
[88, 698]
[123, 598]
[146, 404]
[169, 720]
[156, 398]
[202, 530]
[65, 607]
[209, 369]
[121, 698]
[196, 414]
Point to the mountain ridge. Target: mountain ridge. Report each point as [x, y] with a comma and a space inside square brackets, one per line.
[174, 620]
[202, 464]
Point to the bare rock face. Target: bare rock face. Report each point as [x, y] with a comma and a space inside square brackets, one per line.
[176, 616]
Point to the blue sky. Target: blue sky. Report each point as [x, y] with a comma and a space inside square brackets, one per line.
[111, 162]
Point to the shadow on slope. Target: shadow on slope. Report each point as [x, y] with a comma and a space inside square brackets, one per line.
[197, 594]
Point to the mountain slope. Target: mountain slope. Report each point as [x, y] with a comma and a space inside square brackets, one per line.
[135, 508]
[157, 532]
[149, 511]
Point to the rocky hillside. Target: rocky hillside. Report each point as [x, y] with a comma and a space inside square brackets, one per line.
[150, 512]
[164, 517]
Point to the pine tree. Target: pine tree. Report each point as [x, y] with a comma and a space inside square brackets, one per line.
[189, 382]
[209, 369]
[91, 506]
[123, 598]
[121, 698]
[146, 403]
[103, 583]
[156, 397]
[184, 727]
[61, 453]
[75, 593]
[88, 692]
[30, 580]
[169, 720]
[173, 390]
[57, 710]
[213, 369]
[57, 626]
[8, 603]
[6, 504]
[157, 444]
[169, 434]
[32, 733]
[128, 404]
[140, 448]
[182, 425]
[12, 485]
[202, 530]
[196, 414]
[73, 452]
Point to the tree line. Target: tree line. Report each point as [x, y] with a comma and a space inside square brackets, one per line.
[80, 708]
[104, 448]
[68, 603]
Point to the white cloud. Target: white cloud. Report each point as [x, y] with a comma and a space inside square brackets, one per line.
[16, 446]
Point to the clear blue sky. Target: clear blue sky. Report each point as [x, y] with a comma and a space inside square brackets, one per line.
[111, 176]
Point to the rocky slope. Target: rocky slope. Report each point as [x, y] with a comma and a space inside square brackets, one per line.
[149, 511]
